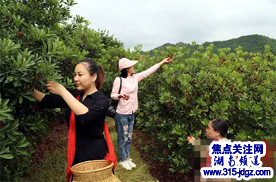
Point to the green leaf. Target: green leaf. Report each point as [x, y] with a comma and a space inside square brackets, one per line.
[12, 138]
[6, 150]
[6, 156]
[29, 98]
[20, 99]
[22, 152]
[23, 145]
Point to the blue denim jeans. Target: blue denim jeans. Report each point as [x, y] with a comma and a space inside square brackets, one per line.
[124, 125]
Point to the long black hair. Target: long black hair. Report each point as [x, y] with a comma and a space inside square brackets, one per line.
[221, 126]
[93, 67]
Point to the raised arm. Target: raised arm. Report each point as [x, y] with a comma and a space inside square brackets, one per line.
[58, 89]
[76, 106]
[49, 101]
[140, 76]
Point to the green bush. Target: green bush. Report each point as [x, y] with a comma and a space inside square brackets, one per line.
[199, 86]
[41, 41]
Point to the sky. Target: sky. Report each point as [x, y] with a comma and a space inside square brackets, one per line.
[153, 23]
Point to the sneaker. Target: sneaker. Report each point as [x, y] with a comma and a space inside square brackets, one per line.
[125, 165]
[131, 164]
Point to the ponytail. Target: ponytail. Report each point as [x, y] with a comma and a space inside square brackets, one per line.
[100, 78]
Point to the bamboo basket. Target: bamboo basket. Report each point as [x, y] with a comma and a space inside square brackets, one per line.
[94, 171]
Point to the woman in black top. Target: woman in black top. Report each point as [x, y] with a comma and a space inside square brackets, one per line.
[89, 111]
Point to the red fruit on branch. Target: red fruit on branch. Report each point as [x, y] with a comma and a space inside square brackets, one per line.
[159, 119]
[36, 78]
[20, 34]
[170, 56]
[1, 125]
[31, 106]
[231, 88]
[66, 68]
[170, 105]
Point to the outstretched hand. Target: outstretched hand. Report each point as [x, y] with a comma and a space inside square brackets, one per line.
[191, 140]
[166, 61]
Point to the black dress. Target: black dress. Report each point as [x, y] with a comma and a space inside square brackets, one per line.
[90, 141]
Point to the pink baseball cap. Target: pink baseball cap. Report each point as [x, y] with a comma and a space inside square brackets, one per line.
[126, 63]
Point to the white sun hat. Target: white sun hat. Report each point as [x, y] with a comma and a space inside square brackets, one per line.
[126, 63]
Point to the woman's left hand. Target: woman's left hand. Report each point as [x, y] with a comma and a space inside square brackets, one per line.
[55, 88]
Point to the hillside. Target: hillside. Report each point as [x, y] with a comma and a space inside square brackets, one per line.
[250, 43]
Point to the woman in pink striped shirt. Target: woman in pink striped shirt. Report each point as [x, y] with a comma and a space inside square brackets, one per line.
[128, 105]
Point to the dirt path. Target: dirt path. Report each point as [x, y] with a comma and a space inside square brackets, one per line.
[49, 161]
